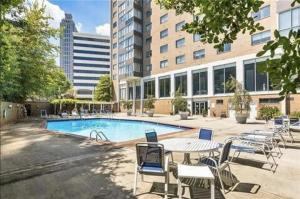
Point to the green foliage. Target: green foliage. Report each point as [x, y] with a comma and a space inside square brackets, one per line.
[204, 112]
[26, 55]
[295, 114]
[103, 91]
[64, 101]
[268, 112]
[287, 65]
[179, 103]
[241, 99]
[127, 105]
[149, 102]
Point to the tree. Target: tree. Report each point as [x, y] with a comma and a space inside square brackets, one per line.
[104, 89]
[26, 55]
[219, 22]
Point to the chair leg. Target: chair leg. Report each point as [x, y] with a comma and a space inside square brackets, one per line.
[166, 185]
[221, 182]
[135, 181]
[179, 188]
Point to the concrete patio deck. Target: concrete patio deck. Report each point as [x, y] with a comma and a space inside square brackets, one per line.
[39, 164]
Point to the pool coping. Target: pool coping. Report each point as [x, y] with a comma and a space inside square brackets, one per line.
[186, 130]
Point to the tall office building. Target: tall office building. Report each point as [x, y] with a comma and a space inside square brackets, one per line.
[151, 55]
[91, 60]
[66, 45]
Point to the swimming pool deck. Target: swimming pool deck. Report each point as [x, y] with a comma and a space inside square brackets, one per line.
[39, 164]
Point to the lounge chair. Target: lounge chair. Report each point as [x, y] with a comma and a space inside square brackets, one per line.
[151, 161]
[151, 136]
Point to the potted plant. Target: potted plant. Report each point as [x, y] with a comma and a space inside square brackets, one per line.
[128, 106]
[240, 101]
[204, 112]
[268, 112]
[180, 106]
[149, 105]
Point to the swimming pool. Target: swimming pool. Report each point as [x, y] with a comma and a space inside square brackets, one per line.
[116, 130]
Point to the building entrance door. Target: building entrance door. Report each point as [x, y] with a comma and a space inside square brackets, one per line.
[198, 107]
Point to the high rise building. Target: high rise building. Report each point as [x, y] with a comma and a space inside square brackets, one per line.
[66, 45]
[151, 55]
[91, 60]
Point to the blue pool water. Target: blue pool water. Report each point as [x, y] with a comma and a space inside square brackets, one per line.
[114, 129]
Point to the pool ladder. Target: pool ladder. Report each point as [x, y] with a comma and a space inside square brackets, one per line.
[99, 135]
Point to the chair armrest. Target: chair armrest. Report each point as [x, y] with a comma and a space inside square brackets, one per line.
[167, 164]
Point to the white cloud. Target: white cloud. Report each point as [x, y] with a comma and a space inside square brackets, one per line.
[78, 26]
[103, 29]
[51, 10]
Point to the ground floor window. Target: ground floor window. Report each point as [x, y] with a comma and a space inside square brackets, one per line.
[200, 82]
[138, 92]
[181, 83]
[164, 86]
[255, 79]
[149, 88]
[122, 93]
[223, 74]
[130, 93]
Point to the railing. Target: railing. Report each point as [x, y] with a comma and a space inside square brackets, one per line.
[99, 135]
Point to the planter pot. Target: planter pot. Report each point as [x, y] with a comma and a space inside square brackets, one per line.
[241, 118]
[183, 115]
[129, 112]
[150, 113]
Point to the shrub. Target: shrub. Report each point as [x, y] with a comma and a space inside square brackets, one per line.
[149, 102]
[179, 103]
[268, 112]
[127, 105]
[295, 114]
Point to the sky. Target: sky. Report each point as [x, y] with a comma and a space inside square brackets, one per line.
[91, 16]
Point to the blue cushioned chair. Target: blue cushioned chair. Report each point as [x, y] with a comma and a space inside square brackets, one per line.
[151, 161]
[205, 134]
[151, 136]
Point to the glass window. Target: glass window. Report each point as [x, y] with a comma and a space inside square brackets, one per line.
[199, 54]
[122, 93]
[289, 20]
[222, 74]
[254, 78]
[181, 83]
[149, 40]
[164, 86]
[148, 27]
[164, 18]
[263, 12]
[164, 64]
[179, 25]
[196, 37]
[226, 48]
[163, 33]
[164, 48]
[149, 88]
[180, 43]
[149, 53]
[130, 93]
[200, 82]
[149, 13]
[149, 67]
[261, 37]
[180, 59]
[138, 92]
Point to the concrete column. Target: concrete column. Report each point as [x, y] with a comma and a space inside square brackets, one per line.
[172, 82]
[134, 96]
[210, 81]
[142, 95]
[240, 71]
[156, 87]
[189, 84]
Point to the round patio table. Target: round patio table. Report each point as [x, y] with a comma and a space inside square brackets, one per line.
[189, 145]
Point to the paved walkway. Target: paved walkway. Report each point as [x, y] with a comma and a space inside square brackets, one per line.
[38, 164]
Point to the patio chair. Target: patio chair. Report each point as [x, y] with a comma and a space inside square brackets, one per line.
[284, 123]
[206, 134]
[151, 136]
[151, 161]
[250, 146]
[221, 163]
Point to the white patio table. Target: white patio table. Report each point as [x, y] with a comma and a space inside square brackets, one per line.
[189, 145]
